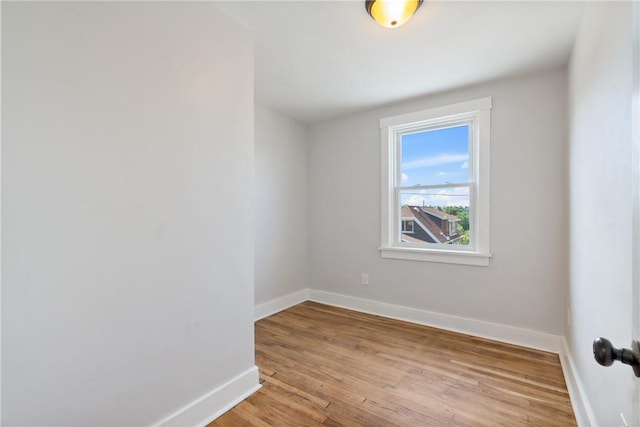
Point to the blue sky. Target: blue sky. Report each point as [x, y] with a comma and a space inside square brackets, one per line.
[436, 157]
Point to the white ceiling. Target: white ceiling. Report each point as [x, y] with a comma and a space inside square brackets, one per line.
[316, 60]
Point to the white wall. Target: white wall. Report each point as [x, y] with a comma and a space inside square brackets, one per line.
[281, 205]
[600, 204]
[127, 157]
[525, 284]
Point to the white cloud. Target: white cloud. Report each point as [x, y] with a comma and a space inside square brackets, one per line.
[443, 197]
[441, 159]
[465, 165]
[404, 177]
[441, 173]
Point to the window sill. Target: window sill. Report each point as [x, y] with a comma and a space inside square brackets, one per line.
[430, 255]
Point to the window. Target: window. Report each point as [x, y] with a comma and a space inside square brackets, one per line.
[407, 226]
[436, 177]
[453, 229]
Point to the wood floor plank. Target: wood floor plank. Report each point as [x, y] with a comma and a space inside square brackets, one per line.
[248, 412]
[486, 371]
[300, 404]
[231, 419]
[327, 366]
[299, 391]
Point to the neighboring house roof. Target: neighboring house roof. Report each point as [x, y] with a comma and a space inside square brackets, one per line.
[425, 217]
[412, 239]
[439, 213]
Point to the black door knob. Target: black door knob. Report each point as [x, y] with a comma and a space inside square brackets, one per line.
[605, 354]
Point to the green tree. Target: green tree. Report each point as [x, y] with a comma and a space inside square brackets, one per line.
[463, 216]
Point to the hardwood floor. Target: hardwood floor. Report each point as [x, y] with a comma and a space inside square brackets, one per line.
[326, 366]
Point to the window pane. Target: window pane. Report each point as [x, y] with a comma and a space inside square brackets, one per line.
[439, 215]
[436, 156]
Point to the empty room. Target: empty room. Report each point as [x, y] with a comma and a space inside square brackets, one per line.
[320, 213]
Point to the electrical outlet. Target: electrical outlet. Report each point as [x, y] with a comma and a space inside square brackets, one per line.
[623, 422]
[365, 279]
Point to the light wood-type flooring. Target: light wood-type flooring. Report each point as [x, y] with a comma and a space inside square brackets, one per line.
[326, 366]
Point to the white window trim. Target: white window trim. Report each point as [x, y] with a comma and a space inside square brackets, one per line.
[479, 193]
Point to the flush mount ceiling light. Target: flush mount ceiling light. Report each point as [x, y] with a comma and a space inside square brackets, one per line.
[392, 13]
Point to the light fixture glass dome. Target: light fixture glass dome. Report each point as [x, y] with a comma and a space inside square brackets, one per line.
[392, 13]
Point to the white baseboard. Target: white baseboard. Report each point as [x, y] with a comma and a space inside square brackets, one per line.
[494, 331]
[581, 407]
[207, 408]
[271, 307]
